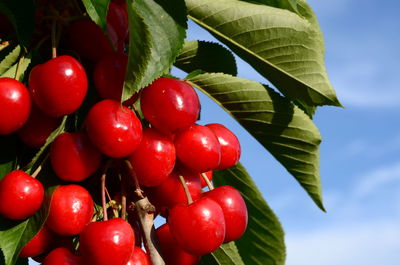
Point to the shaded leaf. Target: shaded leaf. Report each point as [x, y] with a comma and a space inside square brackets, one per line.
[9, 60]
[263, 242]
[8, 154]
[22, 64]
[206, 56]
[227, 254]
[97, 10]
[281, 127]
[157, 31]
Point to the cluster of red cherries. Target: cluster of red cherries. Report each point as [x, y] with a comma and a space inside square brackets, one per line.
[165, 153]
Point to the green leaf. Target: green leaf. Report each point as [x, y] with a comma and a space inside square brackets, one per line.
[227, 254]
[157, 31]
[97, 10]
[23, 64]
[206, 56]
[10, 59]
[8, 154]
[263, 242]
[281, 127]
[21, 13]
[290, 5]
[283, 46]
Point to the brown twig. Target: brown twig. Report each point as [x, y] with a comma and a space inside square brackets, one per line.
[103, 190]
[123, 197]
[138, 190]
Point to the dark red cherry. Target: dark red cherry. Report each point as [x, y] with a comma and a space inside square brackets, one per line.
[170, 192]
[209, 175]
[58, 86]
[139, 257]
[118, 18]
[107, 243]
[154, 159]
[73, 157]
[39, 244]
[109, 75]
[198, 228]
[71, 209]
[20, 195]
[230, 146]
[198, 148]
[15, 105]
[6, 28]
[170, 104]
[62, 256]
[38, 127]
[113, 129]
[234, 208]
[86, 38]
[171, 252]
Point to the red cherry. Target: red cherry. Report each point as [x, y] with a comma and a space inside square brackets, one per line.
[170, 104]
[118, 18]
[20, 195]
[58, 86]
[109, 75]
[198, 228]
[62, 256]
[154, 159]
[38, 127]
[171, 252]
[113, 129]
[15, 105]
[234, 208]
[170, 192]
[39, 244]
[71, 209]
[107, 243]
[230, 146]
[209, 175]
[139, 257]
[86, 38]
[73, 157]
[198, 148]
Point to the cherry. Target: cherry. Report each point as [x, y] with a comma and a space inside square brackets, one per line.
[15, 105]
[230, 146]
[20, 195]
[58, 86]
[113, 129]
[171, 252]
[86, 38]
[198, 228]
[71, 208]
[234, 208]
[198, 148]
[170, 104]
[73, 157]
[107, 243]
[139, 257]
[39, 244]
[109, 75]
[6, 28]
[209, 175]
[154, 159]
[38, 127]
[62, 256]
[118, 19]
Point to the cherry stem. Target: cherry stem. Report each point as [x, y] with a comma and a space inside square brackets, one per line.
[123, 197]
[103, 190]
[39, 168]
[138, 190]
[54, 39]
[186, 189]
[208, 182]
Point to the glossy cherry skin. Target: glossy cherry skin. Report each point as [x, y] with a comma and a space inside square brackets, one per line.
[86, 38]
[171, 252]
[38, 127]
[62, 256]
[107, 243]
[113, 129]
[139, 257]
[198, 228]
[109, 75]
[118, 18]
[230, 145]
[58, 86]
[39, 244]
[73, 157]
[198, 148]
[170, 104]
[15, 105]
[71, 208]
[170, 192]
[209, 175]
[20, 195]
[154, 159]
[234, 208]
